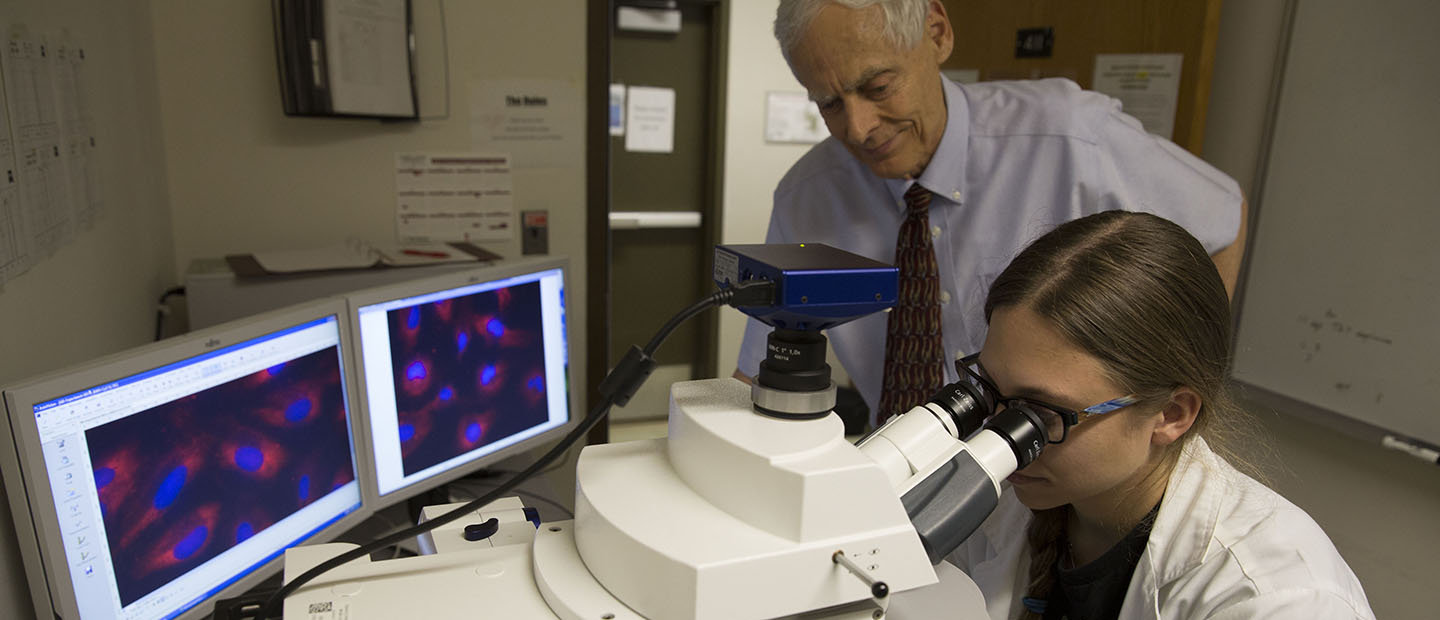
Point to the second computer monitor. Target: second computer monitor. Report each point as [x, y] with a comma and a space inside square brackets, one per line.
[459, 371]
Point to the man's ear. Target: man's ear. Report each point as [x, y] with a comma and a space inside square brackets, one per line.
[1177, 416]
[939, 32]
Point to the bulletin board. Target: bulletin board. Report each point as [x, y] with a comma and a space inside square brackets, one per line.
[986, 33]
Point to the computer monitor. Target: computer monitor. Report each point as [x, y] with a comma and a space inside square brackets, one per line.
[460, 370]
[151, 483]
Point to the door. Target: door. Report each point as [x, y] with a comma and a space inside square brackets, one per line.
[664, 206]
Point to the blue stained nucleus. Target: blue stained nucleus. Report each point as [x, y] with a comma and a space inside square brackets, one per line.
[104, 476]
[170, 488]
[487, 374]
[413, 319]
[462, 339]
[407, 431]
[415, 371]
[275, 370]
[191, 543]
[243, 532]
[249, 458]
[473, 432]
[495, 327]
[536, 383]
[304, 488]
[446, 393]
[298, 410]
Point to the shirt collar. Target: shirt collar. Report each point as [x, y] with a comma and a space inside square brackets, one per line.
[945, 174]
[1189, 513]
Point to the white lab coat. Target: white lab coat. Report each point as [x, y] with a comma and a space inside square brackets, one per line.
[1223, 546]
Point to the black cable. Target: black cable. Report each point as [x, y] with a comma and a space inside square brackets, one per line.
[161, 310]
[748, 293]
[684, 315]
[271, 608]
[623, 386]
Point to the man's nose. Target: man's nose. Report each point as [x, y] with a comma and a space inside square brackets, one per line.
[861, 118]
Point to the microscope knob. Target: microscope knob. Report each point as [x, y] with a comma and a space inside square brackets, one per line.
[481, 531]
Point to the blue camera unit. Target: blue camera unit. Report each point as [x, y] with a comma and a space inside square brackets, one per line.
[817, 286]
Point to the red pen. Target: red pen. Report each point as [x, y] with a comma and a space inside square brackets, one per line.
[410, 252]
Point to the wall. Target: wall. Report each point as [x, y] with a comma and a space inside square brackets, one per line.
[198, 161]
[97, 294]
[752, 166]
[246, 178]
[1344, 483]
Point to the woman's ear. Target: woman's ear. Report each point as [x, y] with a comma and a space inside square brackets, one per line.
[1177, 416]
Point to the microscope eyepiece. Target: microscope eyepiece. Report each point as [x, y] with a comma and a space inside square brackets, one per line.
[1021, 427]
[967, 405]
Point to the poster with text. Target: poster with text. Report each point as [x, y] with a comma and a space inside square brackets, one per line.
[453, 197]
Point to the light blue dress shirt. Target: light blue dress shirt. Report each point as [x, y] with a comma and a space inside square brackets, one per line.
[1017, 159]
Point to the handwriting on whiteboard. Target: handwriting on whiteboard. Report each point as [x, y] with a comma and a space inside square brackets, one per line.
[1331, 324]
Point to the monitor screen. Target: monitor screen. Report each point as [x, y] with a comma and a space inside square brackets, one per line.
[460, 370]
[161, 479]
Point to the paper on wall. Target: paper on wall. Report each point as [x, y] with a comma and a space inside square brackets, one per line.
[453, 197]
[650, 119]
[368, 57]
[1147, 85]
[77, 136]
[536, 121]
[793, 117]
[45, 221]
[11, 256]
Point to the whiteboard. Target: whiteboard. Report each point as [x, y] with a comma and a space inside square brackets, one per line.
[1341, 304]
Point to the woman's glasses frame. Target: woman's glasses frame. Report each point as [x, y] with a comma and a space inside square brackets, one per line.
[966, 367]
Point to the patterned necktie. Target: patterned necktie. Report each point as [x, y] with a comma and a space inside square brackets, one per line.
[914, 354]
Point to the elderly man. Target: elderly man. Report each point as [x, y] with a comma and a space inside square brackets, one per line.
[949, 181]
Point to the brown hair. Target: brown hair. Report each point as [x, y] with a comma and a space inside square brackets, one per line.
[1140, 294]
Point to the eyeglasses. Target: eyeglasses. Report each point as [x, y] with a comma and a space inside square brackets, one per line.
[1057, 420]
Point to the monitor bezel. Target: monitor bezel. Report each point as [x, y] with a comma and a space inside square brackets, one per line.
[389, 292]
[28, 487]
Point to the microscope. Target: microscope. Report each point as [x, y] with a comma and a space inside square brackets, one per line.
[755, 505]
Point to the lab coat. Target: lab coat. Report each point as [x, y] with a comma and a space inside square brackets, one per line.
[1222, 546]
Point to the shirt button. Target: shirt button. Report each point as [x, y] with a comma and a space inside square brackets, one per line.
[956, 196]
[944, 297]
[934, 232]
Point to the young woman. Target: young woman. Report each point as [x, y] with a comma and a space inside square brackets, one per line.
[1131, 511]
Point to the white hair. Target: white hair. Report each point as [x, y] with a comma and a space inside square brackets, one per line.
[904, 20]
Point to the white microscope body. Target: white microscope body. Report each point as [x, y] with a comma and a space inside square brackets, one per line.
[738, 515]
[734, 515]
[754, 507]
